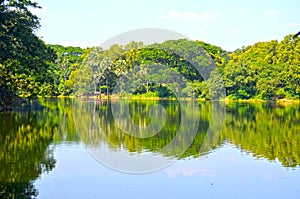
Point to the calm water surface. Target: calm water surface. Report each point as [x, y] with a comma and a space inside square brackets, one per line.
[74, 149]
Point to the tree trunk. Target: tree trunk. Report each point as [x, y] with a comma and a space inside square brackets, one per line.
[95, 89]
[147, 86]
[100, 92]
[107, 90]
[121, 86]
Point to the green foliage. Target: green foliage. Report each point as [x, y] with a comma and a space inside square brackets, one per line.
[84, 81]
[266, 70]
[24, 58]
[65, 68]
[28, 67]
[184, 57]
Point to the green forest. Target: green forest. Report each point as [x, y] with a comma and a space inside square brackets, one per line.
[30, 68]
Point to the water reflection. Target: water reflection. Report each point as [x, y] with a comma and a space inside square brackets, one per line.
[24, 152]
[185, 131]
[269, 131]
[266, 130]
[25, 137]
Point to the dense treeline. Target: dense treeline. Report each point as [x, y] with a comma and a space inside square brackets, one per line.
[28, 67]
[99, 70]
[265, 70]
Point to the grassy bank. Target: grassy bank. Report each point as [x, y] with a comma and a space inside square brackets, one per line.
[149, 98]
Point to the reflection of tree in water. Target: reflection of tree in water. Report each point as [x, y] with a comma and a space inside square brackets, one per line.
[24, 152]
[101, 128]
[265, 130]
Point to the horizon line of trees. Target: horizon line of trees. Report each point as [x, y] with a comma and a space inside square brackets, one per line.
[266, 70]
[28, 67]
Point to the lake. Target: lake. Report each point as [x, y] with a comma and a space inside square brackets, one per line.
[69, 148]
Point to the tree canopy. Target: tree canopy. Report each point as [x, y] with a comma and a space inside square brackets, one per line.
[25, 60]
[266, 70]
[28, 67]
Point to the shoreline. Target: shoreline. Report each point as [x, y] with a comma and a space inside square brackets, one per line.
[144, 98]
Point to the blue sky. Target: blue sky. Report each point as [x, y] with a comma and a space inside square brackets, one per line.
[230, 24]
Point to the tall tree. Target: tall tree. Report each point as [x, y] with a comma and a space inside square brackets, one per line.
[120, 70]
[106, 67]
[68, 61]
[93, 60]
[24, 58]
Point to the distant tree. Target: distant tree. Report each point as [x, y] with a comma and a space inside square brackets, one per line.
[93, 60]
[120, 70]
[106, 67]
[68, 61]
[133, 45]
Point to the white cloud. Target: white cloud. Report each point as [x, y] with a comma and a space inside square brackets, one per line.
[190, 16]
[291, 24]
[235, 31]
[272, 13]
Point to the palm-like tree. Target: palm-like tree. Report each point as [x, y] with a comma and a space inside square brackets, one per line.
[144, 70]
[105, 68]
[120, 72]
[93, 60]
